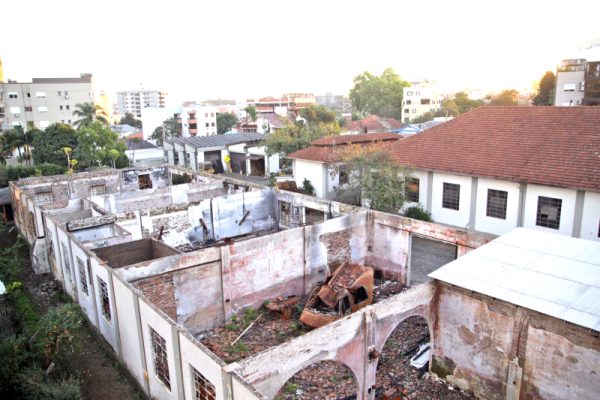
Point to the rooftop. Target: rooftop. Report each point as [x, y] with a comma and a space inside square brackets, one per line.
[330, 148]
[218, 140]
[553, 274]
[373, 123]
[555, 146]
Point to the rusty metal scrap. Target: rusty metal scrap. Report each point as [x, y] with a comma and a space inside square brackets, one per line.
[347, 290]
[283, 305]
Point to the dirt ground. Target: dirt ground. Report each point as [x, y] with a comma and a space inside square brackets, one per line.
[101, 375]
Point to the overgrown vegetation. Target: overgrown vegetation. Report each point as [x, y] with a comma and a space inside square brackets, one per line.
[11, 173]
[36, 349]
[417, 212]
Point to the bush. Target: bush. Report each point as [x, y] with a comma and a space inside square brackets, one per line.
[13, 173]
[416, 212]
[36, 386]
[307, 187]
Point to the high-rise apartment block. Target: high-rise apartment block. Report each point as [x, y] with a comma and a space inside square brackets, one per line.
[132, 101]
[43, 101]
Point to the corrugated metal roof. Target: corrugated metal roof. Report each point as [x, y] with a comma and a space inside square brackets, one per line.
[553, 274]
[217, 140]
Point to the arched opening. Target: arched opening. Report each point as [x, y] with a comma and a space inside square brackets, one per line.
[325, 380]
[396, 376]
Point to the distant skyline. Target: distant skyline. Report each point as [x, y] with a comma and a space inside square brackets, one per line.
[243, 49]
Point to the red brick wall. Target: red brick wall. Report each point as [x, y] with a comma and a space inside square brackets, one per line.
[338, 247]
[160, 290]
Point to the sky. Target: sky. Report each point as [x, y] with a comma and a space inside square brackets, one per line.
[206, 49]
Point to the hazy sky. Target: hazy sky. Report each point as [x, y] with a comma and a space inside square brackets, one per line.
[236, 49]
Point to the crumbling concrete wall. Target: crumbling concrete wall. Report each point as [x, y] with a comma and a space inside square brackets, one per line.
[390, 239]
[134, 252]
[130, 178]
[262, 268]
[244, 213]
[333, 242]
[350, 341]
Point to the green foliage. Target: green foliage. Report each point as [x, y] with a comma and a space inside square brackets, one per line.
[20, 140]
[290, 388]
[225, 121]
[464, 104]
[297, 136]
[545, 94]
[170, 128]
[36, 386]
[251, 113]
[11, 173]
[15, 358]
[239, 347]
[272, 182]
[232, 327]
[375, 175]
[14, 286]
[89, 113]
[417, 212]
[130, 120]
[318, 114]
[506, 98]
[307, 187]
[379, 95]
[48, 146]
[98, 145]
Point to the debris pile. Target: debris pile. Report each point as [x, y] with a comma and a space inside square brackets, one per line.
[347, 290]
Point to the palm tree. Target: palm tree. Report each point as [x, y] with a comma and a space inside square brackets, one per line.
[89, 112]
[15, 139]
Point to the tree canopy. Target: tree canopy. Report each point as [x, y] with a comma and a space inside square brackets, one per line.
[506, 98]
[48, 146]
[464, 104]
[251, 113]
[130, 120]
[379, 95]
[545, 93]
[316, 114]
[99, 145]
[374, 179]
[170, 128]
[225, 121]
[88, 113]
[20, 140]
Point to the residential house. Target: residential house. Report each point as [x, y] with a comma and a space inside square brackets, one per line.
[317, 162]
[418, 99]
[497, 168]
[372, 124]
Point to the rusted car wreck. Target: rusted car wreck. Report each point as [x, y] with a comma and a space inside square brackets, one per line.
[347, 290]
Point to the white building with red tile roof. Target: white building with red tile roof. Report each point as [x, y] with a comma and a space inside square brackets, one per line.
[497, 168]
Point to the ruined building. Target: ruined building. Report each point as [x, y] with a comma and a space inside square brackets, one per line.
[178, 280]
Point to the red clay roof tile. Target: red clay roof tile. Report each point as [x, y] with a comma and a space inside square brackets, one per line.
[556, 146]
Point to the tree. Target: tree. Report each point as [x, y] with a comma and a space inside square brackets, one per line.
[89, 112]
[318, 114]
[545, 94]
[225, 121]
[379, 95]
[506, 98]
[99, 145]
[297, 136]
[18, 139]
[48, 146]
[170, 128]
[130, 120]
[251, 112]
[464, 104]
[374, 177]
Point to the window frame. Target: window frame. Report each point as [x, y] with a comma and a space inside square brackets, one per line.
[450, 196]
[202, 388]
[104, 300]
[160, 358]
[83, 277]
[410, 194]
[545, 222]
[496, 210]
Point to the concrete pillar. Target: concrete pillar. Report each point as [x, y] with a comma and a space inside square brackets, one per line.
[181, 158]
[521, 207]
[513, 383]
[177, 362]
[171, 156]
[193, 162]
[248, 163]
[370, 356]
[578, 214]
[473, 205]
[429, 200]
[140, 340]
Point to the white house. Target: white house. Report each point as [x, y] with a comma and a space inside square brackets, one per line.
[143, 153]
[316, 163]
[497, 168]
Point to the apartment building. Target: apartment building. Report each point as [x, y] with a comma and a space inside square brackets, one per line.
[578, 80]
[43, 101]
[290, 103]
[418, 99]
[132, 101]
[197, 120]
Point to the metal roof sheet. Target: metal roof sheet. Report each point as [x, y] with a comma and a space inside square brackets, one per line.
[223, 140]
[553, 274]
